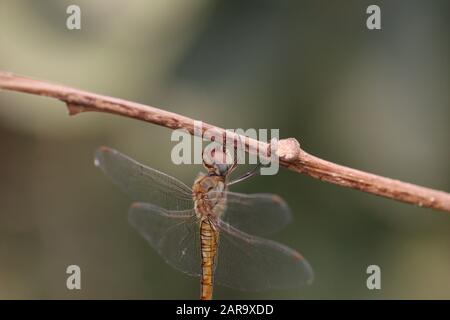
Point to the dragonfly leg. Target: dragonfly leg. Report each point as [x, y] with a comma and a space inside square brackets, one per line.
[247, 175]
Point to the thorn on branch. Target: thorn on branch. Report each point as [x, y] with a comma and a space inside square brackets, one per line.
[75, 109]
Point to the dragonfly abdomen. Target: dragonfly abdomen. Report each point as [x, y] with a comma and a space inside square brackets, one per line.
[209, 241]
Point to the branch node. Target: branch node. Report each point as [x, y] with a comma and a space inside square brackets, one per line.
[288, 149]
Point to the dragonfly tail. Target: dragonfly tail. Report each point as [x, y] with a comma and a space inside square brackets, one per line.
[209, 237]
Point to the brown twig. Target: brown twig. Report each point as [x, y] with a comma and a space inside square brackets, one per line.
[289, 151]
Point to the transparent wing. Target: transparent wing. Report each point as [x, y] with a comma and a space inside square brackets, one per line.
[250, 263]
[257, 214]
[173, 234]
[143, 183]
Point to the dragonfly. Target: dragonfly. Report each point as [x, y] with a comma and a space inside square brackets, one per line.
[206, 230]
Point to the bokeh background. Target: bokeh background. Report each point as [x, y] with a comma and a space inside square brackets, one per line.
[372, 100]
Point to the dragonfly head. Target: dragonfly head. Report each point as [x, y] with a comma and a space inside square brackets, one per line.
[218, 162]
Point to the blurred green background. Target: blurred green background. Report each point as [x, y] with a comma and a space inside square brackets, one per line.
[372, 100]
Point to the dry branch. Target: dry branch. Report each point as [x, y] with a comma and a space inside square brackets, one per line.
[289, 151]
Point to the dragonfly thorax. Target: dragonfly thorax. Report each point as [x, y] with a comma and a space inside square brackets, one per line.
[208, 196]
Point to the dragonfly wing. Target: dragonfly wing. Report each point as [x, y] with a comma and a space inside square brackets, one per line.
[258, 214]
[250, 263]
[143, 183]
[173, 234]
